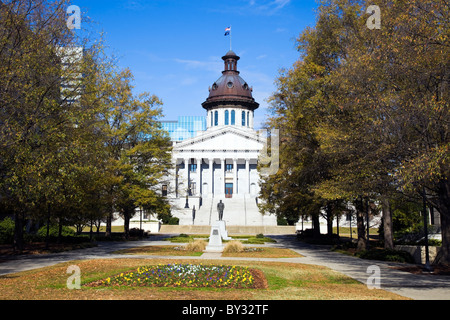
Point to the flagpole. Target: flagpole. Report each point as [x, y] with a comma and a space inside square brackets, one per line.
[231, 30]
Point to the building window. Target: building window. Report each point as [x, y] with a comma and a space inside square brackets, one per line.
[212, 118]
[193, 189]
[233, 117]
[216, 118]
[243, 118]
[164, 190]
[248, 119]
[227, 122]
[229, 168]
[192, 167]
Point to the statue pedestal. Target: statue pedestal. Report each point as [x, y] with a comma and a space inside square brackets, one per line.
[215, 239]
[223, 230]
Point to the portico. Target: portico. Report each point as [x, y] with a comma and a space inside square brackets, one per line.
[217, 177]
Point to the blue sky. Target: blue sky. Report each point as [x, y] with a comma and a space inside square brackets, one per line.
[174, 48]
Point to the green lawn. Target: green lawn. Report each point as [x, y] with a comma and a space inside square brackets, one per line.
[245, 239]
[284, 281]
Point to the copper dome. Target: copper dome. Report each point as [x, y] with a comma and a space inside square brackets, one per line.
[230, 88]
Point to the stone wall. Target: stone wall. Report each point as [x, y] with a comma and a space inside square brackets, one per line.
[418, 252]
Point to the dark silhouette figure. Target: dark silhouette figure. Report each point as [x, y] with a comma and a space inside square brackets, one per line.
[220, 208]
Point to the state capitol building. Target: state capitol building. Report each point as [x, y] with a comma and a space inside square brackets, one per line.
[215, 157]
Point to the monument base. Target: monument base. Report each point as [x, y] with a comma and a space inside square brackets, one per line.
[223, 230]
[215, 239]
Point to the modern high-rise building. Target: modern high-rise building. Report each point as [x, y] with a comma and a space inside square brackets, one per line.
[186, 127]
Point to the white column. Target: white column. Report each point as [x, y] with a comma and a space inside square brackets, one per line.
[235, 172]
[222, 168]
[175, 178]
[186, 176]
[247, 170]
[211, 177]
[199, 177]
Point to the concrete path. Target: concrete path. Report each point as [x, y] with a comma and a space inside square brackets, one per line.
[419, 287]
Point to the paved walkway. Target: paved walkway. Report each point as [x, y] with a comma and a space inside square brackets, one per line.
[420, 287]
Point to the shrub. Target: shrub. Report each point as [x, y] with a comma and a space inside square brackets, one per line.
[386, 255]
[54, 230]
[197, 245]
[136, 233]
[7, 231]
[173, 221]
[260, 236]
[233, 246]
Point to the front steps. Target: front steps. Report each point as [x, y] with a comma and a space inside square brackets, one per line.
[232, 230]
[241, 211]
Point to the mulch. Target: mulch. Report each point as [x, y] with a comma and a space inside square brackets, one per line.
[37, 248]
[260, 281]
[438, 270]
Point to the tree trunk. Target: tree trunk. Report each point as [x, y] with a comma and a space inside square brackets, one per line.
[59, 240]
[360, 225]
[444, 210]
[18, 232]
[126, 218]
[108, 232]
[387, 224]
[47, 235]
[329, 210]
[316, 226]
[91, 230]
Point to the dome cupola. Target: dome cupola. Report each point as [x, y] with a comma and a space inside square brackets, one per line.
[230, 89]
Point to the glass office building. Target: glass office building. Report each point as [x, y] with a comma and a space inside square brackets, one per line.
[185, 128]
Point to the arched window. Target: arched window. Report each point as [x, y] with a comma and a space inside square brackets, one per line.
[243, 118]
[233, 117]
[212, 119]
[248, 119]
[227, 122]
[216, 118]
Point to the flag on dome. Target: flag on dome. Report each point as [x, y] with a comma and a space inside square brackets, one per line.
[227, 31]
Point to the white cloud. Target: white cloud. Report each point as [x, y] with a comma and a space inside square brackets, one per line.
[213, 64]
[268, 7]
[189, 81]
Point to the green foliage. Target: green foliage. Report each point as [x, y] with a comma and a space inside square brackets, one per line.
[363, 114]
[76, 158]
[386, 255]
[6, 231]
[54, 231]
[258, 240]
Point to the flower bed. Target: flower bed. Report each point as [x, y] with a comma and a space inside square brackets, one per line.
[185, 275]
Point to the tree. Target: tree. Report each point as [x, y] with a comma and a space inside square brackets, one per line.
[34, 120]
[395, 81]
[377, 109]
[139, 151]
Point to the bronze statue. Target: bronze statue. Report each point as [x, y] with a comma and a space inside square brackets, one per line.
[220, 208]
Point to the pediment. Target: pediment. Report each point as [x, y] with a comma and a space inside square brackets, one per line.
[226, 139]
